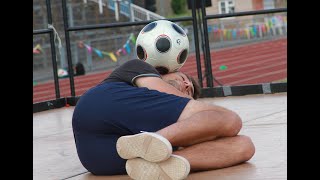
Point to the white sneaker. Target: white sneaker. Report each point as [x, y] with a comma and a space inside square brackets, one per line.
[149, 146]
[175, 168]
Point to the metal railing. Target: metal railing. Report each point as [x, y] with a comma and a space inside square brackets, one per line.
[134, 12]
[206, 35]
[52, 45]
[198, 18]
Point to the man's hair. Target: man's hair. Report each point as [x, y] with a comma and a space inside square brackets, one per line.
[196, 86]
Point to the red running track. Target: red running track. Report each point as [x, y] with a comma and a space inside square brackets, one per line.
[247, 64]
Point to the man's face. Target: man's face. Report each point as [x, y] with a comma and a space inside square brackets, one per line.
[180, 81]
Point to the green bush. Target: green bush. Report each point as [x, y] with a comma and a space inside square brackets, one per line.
[178, 6]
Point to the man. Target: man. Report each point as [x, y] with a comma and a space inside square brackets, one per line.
[131, 120]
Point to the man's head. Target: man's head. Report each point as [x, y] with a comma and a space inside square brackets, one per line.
[183, 83]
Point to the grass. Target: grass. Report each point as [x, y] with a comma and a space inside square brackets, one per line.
[281, 80]
[186, 14]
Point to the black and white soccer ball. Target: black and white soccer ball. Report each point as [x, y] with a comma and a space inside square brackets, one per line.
[164, 45]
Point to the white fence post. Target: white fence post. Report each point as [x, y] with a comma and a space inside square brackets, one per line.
[132, 13]
[148, 16]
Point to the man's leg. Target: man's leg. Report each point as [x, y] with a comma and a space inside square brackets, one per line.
[220, 153]
[209, 135]
[200, 122]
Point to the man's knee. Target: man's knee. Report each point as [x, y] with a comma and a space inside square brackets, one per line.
[225, 120]
[246, 147]
[233, 124]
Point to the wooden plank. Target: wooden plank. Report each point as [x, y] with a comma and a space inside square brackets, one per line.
[264, 120]
[269, 162]
[52, 122]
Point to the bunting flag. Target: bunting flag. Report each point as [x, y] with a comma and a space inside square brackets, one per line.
[37, 49]
[124, 50]
[98, 52]
[80, 44]
[247, 33]
[230, 34]
[111, 55]
[256, 30]
[224, 33]
[133, 39]
[251, 31]
[118, 52]
[88, 48]
[209, 29]
[234, 34]
[266, 27]
[273, 21]
[127, 47]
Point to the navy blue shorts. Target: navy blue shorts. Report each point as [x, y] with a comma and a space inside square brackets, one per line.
[114, 109]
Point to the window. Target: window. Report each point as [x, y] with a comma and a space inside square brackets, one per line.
[226, 6]
[268, 4]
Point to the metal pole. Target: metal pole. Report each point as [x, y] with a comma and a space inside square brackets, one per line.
[207, 47]
[67, 38]
[196, 41]
[53, 52]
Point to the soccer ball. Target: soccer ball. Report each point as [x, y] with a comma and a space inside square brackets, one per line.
[164, 45]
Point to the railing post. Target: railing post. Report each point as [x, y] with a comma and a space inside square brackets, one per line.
[207, 46]
[148, 16]
[196, 41]
[67, 38]
[131, 12]
[53, 52]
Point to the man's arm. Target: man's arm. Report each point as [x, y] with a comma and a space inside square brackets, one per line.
[155, 83]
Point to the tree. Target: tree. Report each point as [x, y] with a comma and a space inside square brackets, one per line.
[151, 5]
[178, 6]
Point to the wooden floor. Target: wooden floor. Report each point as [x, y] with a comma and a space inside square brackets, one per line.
[264, 120]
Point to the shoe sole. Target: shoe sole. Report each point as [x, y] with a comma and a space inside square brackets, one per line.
[149, 146]
[175, 168]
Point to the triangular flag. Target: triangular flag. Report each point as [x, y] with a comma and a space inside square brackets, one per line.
[88, 48]
[251, 31]
[229, 33]
[36, 51]
[133, 39]
[113, 57]
[234, 34]
[264, 29]
[105, 53]
[118, 52]
[247, 33]
[38, 47]
[255, 30]
[127, 48]
[80, 44]
[123, 51]
[224, 32]
[270, 23]
[273, 20]
[98, 52]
